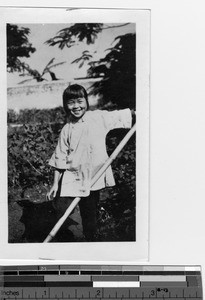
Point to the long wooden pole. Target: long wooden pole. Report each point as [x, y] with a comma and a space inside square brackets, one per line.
[93, 181]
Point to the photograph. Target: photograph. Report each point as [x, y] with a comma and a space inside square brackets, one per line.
[87, 128]
[77, 127]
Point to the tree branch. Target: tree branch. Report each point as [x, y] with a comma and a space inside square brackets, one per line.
[115, 26]
[32, 166]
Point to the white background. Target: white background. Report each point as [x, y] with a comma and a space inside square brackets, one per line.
[177, 125]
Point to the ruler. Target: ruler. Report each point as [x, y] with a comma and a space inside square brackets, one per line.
[100, 282]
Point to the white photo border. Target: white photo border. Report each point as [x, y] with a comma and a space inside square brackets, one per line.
[124, 252]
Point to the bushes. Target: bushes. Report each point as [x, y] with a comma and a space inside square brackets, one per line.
[25, 116]
[120, 201]
[29, 148]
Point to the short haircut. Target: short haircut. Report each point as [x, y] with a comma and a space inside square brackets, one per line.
[74, 91]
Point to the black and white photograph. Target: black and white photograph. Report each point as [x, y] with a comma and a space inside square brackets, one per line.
[77, 105]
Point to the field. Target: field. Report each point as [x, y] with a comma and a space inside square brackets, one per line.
[31, 217]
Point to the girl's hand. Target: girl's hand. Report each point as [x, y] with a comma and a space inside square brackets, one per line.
[52, 193]
[133, 112]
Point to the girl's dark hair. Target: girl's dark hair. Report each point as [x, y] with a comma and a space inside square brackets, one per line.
[74, 91]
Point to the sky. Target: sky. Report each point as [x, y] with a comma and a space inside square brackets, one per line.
[40, 33]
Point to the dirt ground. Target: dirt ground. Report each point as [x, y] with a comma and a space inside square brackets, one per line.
[31, 222]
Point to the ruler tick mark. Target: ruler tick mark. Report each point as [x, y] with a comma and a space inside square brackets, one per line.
[14, 290]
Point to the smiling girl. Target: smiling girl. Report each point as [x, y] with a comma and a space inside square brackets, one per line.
[80, 153]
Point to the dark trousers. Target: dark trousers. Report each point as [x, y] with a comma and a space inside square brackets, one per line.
[88, 211]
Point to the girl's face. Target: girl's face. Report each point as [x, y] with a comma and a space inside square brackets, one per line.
[77, 107]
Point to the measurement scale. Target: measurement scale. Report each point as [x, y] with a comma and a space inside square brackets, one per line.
[100, 282]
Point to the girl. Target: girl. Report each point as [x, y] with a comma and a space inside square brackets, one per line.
[80, 153]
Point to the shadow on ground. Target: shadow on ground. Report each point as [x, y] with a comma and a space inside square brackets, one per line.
[36, 220]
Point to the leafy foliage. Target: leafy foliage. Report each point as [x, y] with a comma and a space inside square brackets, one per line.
[39, 76]
[68, 37]
[17, 46]
[29, 148]
[86, 56]
[119, 211]
[33, 116]
[28, 151]
[118, 69]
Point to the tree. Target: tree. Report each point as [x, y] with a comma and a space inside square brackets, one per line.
[37, 75]
[17, 46]
[77, 32]
[86, 56]
[117, 69]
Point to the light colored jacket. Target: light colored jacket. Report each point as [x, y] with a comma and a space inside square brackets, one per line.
[81, 150]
